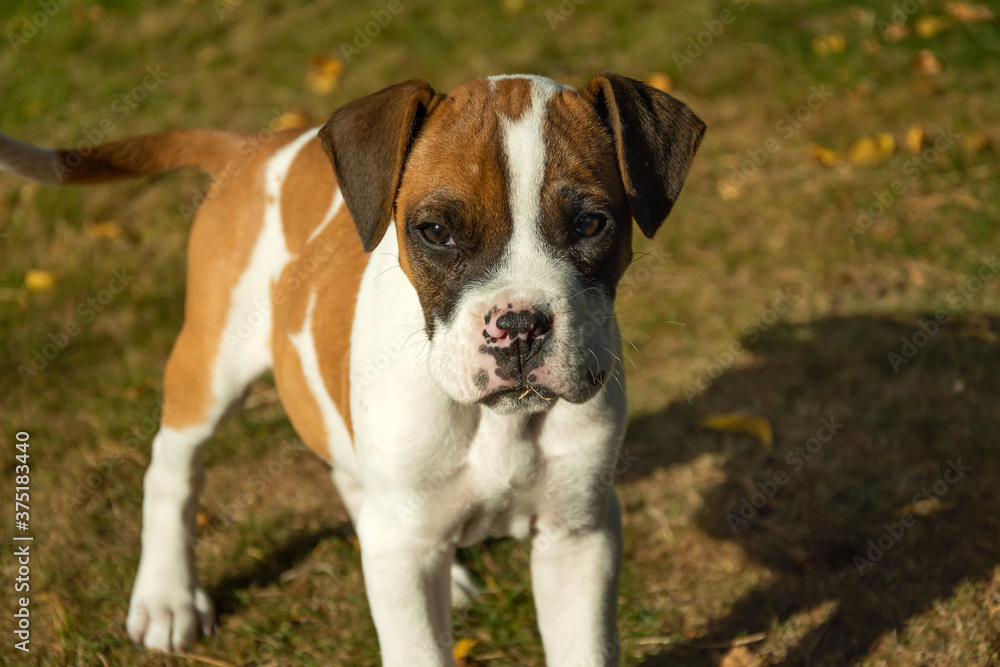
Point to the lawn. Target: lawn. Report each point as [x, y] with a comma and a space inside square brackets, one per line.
[829, 272]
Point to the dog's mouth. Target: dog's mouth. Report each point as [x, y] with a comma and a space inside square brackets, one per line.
[525, 395]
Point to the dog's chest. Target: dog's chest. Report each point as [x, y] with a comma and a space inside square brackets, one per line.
[503, 469]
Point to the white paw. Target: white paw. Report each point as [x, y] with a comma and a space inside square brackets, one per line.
[463, 587]
[168, 618]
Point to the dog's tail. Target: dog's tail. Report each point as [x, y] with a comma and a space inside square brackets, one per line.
[142, 155]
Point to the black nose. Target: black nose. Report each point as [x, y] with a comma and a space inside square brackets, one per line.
[526, 325]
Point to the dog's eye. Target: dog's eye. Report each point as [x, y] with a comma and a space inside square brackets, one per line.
[437, 234]
[589, 224]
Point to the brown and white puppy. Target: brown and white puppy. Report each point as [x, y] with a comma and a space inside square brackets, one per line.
[460, 367]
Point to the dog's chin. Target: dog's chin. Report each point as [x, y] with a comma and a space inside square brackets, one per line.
[520, 400]
[527, 399]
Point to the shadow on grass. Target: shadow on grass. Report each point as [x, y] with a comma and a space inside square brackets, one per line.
[268, 570]
[826, 518]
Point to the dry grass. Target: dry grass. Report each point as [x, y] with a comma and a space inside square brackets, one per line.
[285, 573]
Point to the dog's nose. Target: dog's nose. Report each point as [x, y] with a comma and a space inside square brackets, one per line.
[525, 325]
[509, 326]
[516, 336]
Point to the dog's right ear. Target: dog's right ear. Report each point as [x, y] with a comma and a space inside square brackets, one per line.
[367, 141]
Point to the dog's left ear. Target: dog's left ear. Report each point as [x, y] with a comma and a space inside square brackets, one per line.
[655, 137]
[368, 141]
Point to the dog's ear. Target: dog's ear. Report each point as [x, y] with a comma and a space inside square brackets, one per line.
[655, 137]
[367, 141]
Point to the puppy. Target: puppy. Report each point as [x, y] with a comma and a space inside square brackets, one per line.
[438, 312]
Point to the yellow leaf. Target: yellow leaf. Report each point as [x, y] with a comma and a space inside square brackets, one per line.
[463, 647]
[967, 12]
[741, 422]
[914, 139]
[730, 192]
[925, 62]
[980, 333]
[290, 120]
[513, 6]
[925, 507]
[872, 151]
[823, 155]
[895, 33]
[928, 26]
[103, 230]
[37, 280]
[660, 81]
[827, 44]
[738, 656]
[324, 73]
[974, 143]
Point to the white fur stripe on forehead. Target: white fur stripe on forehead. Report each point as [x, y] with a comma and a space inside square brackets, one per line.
[524, 146]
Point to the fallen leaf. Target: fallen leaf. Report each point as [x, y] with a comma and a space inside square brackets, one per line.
[872, 151]
[660, 81]
[324, 73]
[823, 155]
[37, 280]
[741, 422]
[967, 12]
[928, 26]
[925, 62]
[926, 508]
[290, 120]
[739, 656]
[108, 229]
[461, 650]
[824, 45]
[896, 33]
[730, 192]
[914, 140]
[966, 199]
[973, 143]
[979, 333]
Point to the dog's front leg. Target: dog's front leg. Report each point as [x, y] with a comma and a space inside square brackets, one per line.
[575, 580]
[408, 578]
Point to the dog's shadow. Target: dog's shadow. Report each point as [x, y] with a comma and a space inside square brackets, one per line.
[893, 409]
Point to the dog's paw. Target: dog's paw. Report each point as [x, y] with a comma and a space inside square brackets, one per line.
[464, 589]
[169, 619]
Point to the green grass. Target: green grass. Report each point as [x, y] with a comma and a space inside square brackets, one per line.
[690, 584]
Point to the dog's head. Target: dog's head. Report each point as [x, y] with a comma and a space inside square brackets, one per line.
[513, 199]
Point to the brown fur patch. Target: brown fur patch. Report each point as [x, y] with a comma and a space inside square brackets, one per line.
[222, 240]
[331, 265]
[456, 175]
